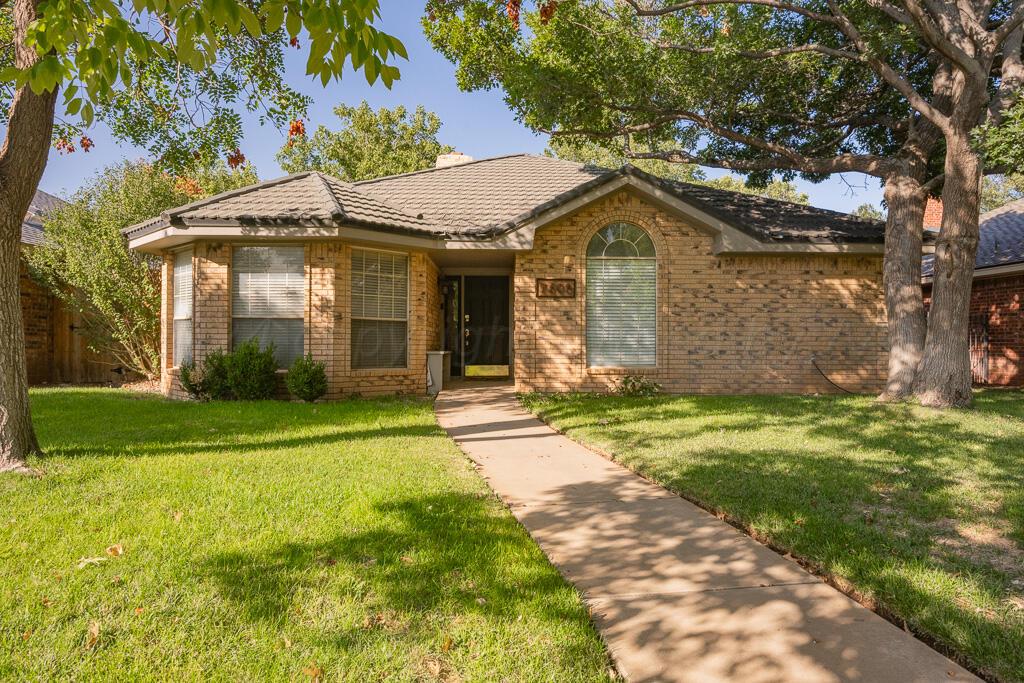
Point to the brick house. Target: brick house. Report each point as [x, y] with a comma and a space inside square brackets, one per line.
[997, 293]
[562, 276]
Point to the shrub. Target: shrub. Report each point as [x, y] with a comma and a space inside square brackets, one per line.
[307, 380]
[252, 373]
[638, 385]
[208, 381]
[192, 380]
[215, 376]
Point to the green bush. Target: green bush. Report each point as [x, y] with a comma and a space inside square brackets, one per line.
[252, 373]
[638, 385]
[192, 380]
[307, 380]
[215, 376]
[246, 374]
[208, 381]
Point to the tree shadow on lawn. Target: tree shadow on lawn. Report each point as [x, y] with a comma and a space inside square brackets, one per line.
[770, 626]
[429, 559]
[110, 424]
[879, 494]
[856, 446]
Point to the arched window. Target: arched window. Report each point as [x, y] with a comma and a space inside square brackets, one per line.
[621, 297]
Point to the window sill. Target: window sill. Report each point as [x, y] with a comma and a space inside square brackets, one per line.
[611, 370]
[381, 372]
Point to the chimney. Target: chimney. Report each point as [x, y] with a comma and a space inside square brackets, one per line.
[452, 159]
[933, 214]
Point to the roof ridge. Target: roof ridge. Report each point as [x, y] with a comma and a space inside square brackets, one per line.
[322, 177]
[422, 171]
[999, 210]
[369, 195]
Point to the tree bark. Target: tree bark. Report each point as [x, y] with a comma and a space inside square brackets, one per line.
[944, 379]
[901, 276]
[22, 160]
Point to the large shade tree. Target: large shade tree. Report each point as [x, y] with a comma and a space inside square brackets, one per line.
[814, 87]
[368, 144]
[171, 75]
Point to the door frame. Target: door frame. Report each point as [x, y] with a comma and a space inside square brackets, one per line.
[462, 274]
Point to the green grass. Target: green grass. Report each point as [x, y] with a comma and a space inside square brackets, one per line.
[260, 540]
[921, 511]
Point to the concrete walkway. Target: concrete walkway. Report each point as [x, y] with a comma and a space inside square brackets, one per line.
[677, 594]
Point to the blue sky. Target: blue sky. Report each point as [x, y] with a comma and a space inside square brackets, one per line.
[478, 124]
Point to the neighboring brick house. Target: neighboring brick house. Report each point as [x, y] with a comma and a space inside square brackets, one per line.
[562, 276]
[997, 294]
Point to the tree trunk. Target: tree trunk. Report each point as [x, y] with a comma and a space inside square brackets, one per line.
[944, 379]
[904, 302]
[22, 160]
[17, 438]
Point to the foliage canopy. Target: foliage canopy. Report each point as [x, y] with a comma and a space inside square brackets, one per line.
[86, 262]
[368, 144]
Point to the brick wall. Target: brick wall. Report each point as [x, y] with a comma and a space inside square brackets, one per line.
[423, 322]
[997, 301]
[37, 316]
[727, 324]
[933, 213]
[327, 316]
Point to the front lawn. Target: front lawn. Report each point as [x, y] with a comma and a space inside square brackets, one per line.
[270, 541]
[920, 511]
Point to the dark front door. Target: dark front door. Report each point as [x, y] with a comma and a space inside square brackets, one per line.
[485, 325]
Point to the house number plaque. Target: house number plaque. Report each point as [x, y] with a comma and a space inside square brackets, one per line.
[556, 288]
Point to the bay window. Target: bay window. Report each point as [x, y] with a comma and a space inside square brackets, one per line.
[181, 332]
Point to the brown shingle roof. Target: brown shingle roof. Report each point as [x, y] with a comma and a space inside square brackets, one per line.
[483, 194]
[309, 198]
[491, 196]
[498, 194]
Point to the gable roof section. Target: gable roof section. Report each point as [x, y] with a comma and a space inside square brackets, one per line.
[32, 225]
[480, 196]
[306, 199]
[486, 199]
[1001, 239]
[498, 195]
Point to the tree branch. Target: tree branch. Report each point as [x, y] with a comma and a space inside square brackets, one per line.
[1012, 22]
[883, 69]
[777, 4]
[768, 54]
[860, 163]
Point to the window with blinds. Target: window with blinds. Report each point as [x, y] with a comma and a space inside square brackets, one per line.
[181, 333]
[380, 305]
[268, 299]
[621, 298]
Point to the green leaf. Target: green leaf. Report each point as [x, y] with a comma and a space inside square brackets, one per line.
[249, 20]
[370, 71]
[293, 23]
[273, 16]
[9, 74]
